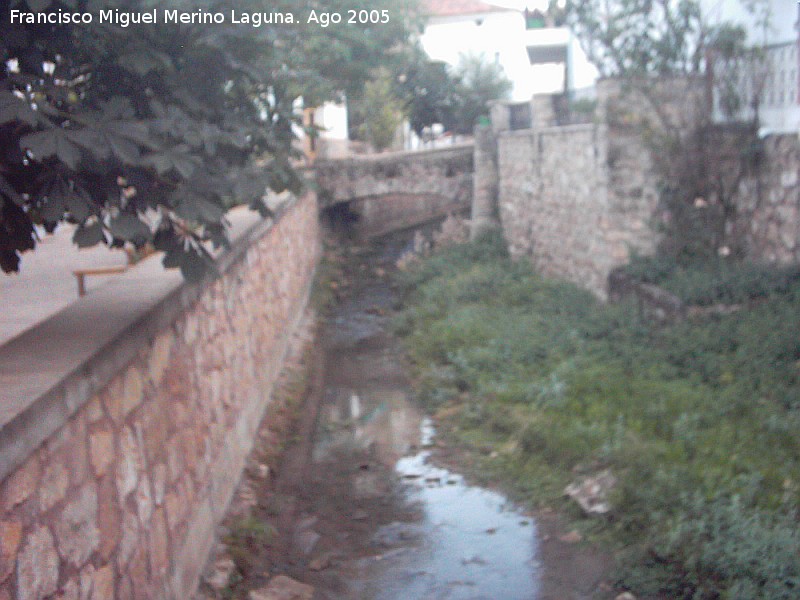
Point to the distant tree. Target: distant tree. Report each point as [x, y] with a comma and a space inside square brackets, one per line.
[478, 82]
[383, 111]
[428, 89]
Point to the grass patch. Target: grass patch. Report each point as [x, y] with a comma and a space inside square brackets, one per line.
[715, 281]
[698, 420]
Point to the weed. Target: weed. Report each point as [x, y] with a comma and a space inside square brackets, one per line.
[544, 381]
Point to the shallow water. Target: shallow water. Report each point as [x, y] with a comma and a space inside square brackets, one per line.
[452, 540]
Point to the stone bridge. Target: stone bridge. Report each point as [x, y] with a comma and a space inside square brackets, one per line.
[392, 191]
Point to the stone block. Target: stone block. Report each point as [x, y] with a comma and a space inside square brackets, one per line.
[155, 430]
[127, 464]
[113, 399]
[108, 516]
[37, 566]
[159, 483]
[71, 590]
[173, 506]
[76, 527]
[129, 538]
[160, 356]
[94, 410]
[21, 484]
[55, 481]
[144, 500]
[10, 537]
[159, 546]
[101, 451]
[137, 570]
[103, 584]
[133, 390]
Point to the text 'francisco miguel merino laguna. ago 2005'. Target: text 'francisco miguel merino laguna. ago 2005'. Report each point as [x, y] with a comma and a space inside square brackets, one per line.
[154, 16]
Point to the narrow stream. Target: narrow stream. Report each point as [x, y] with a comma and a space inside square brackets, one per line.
[397, 525]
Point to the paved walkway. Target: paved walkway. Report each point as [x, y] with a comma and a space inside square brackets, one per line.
[45, 283]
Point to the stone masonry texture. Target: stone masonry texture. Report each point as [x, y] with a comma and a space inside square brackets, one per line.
[577, 200]
[395, 190]
[121, 501]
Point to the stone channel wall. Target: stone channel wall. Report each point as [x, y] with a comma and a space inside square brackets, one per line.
[768, 207]
[127, 417]
[576, 199]
[579, 199]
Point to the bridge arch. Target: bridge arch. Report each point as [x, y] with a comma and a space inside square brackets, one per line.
[392, 191]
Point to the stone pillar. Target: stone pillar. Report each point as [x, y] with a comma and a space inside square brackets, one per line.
[542, 113]
[485, 182]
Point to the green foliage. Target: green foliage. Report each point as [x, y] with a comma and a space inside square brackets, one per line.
[149, 133]
[697, 420]
[429, 91]
[654, 46]
[383, 111]
[638, 37]
[716, 280]
[479, 82]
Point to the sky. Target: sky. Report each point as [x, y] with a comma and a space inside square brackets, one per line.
[784, 14]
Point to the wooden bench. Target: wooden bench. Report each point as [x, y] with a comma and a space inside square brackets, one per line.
[133, 255]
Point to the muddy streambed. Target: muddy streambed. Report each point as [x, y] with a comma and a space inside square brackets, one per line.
[384, 521]
[361, 506]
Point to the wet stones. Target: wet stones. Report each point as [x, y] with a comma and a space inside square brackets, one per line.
[282, 587]
[591, 492]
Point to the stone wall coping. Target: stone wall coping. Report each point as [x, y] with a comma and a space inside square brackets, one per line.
[52, 369]
[551, 130]
[405, 155]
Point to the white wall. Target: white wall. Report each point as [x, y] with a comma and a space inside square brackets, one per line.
[498, 35]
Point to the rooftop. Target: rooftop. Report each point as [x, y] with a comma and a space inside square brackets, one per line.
[453, 8]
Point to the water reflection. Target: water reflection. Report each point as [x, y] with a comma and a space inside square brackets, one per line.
[454, 541]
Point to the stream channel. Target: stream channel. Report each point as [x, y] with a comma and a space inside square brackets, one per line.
[381, 520]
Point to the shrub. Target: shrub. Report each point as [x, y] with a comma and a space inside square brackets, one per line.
[545, 381]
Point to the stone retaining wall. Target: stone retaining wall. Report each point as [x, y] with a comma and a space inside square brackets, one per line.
[573, 199]
[768, 206]
[127, 417]
[579, 199]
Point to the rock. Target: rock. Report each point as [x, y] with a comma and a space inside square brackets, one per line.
[305, 541]
[573, 537]
[320, 562]
[591, 492]
[625, 596]
[220, 574]
[307, 522]
[76, 529]
[282, 587]
[395, 533]
[37, 566]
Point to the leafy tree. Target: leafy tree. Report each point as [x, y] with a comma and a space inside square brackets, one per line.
[383, 111]
[148, 133]
[657, 47]
[429, 91]
[479, 82]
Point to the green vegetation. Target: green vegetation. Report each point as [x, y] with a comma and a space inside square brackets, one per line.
[383, 111]
[147, 133]
[715, 281]
[698, 420]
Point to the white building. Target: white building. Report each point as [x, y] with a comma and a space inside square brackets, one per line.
[773, 82]
[540, 60]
